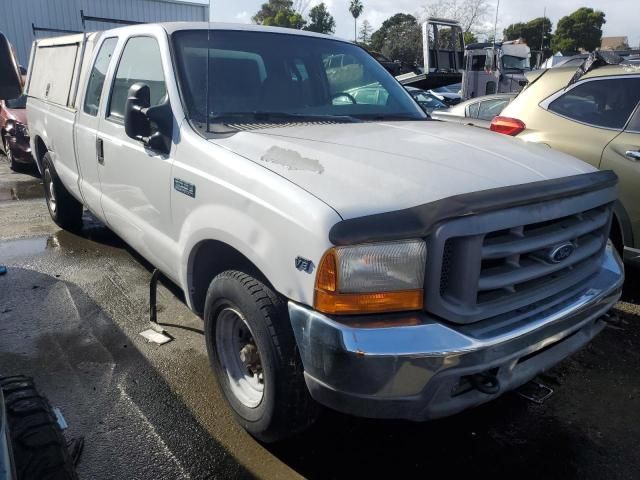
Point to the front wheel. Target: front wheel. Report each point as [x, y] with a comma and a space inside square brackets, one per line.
[253, 355]
[65, 210]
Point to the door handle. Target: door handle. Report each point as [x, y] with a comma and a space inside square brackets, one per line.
[632, 154]
[100, 150]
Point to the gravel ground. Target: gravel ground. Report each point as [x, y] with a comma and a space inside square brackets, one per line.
[72, 307]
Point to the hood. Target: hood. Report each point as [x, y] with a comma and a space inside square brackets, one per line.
[365, 168]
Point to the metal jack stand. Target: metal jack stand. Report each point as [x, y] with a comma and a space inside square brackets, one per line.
[156, 333]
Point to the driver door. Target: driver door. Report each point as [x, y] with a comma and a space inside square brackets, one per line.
[135, 180]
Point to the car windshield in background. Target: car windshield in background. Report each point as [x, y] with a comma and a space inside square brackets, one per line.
[258, 76]
[455, 88]
[20, 102]
[509, 62]
[427, 100]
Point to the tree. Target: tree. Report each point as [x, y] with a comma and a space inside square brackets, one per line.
[355, 7]
[320, 20]
[403, 42]
[469, 37]
[399, 38]
[365, 32]
[279, 13]
[380, 36]
[536, 32]
[471, 14]
[580, 30]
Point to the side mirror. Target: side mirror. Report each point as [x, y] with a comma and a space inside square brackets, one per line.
[10, 77]
[490, 62]
[136, 123]
[151, 125]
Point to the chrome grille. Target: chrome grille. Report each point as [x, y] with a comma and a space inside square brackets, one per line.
[491, 264]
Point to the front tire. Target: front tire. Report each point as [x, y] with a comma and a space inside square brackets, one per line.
[253, 354]
[64, 209]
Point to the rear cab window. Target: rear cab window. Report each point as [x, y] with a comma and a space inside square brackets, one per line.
[97, 76]
[606, 103]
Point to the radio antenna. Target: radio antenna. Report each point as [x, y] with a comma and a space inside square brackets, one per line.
[495, 26]
[207, 113]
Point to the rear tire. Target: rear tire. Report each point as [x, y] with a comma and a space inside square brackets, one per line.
[38, 445]
[64, 209]
[265, 388]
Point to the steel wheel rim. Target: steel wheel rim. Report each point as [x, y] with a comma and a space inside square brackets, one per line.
[233, 338]
[51, 193]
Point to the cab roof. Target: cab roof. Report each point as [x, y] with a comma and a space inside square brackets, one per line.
[172, 27]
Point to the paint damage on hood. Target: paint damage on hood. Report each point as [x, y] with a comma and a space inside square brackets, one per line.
[291, 160]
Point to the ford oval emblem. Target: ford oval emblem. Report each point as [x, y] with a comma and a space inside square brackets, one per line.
[560, 253]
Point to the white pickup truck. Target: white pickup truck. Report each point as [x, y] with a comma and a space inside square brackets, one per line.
[349, 253]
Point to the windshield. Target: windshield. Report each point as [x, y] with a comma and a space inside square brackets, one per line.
[266, 76]
[20, 102]
[509, 62]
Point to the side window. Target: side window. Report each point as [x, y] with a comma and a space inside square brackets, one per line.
[634, 124]
[96, 79]
[473, 110]
[602, 103]
[140, 62]
[491, 108]
[477, 62]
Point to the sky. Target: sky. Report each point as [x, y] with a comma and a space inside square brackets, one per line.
[621, 15]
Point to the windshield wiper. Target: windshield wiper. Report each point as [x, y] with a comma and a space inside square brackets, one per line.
[240, 117]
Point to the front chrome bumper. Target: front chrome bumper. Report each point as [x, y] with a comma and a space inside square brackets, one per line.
[418, 371]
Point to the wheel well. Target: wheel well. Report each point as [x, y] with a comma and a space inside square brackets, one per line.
[41, 149]
[616, 235]
[210, 258]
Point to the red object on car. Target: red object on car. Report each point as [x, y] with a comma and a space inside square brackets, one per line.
[507, 125]
[14, 135]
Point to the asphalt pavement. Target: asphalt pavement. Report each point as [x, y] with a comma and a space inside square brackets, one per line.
[71, 310]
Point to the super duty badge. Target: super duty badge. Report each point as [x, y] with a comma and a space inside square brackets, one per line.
[187, 188]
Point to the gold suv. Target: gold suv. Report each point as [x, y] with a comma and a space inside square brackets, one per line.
[596, 119]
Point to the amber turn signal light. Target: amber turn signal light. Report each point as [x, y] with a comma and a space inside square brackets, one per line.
[329, 300]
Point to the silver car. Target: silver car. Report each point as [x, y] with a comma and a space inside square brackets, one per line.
[478, 111]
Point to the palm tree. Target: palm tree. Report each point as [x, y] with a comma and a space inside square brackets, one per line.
[355, 7]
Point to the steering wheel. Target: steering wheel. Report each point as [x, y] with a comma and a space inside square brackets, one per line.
[344, 94]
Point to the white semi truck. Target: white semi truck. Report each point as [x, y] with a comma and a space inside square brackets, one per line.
[481, 68]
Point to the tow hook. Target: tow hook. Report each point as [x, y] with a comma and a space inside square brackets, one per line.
[485, 382]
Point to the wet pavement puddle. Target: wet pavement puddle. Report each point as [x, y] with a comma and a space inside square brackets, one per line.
[24, 247]
[21, 190]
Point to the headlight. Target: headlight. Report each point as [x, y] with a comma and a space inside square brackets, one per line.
[371, 278]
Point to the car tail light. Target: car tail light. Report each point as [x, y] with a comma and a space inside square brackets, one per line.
[507, 125]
